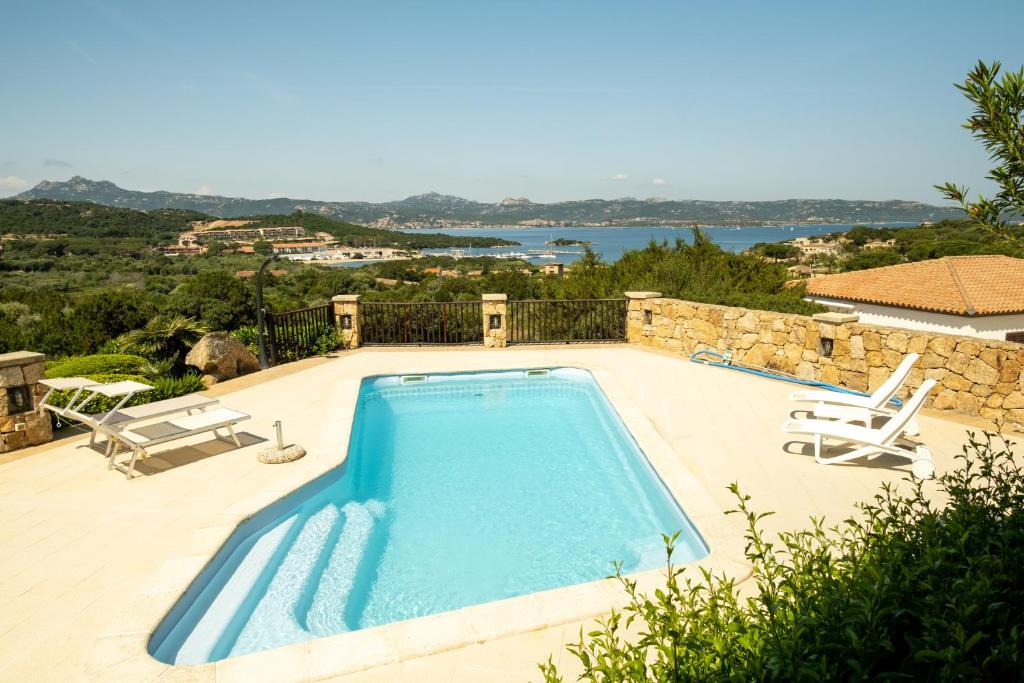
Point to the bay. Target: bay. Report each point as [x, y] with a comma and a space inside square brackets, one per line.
[610, 243]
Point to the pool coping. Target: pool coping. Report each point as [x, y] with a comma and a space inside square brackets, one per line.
[120, 652]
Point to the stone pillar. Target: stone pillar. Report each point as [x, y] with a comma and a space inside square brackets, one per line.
[21, 422]
[346, 317]
[639, 315]
[495, 309]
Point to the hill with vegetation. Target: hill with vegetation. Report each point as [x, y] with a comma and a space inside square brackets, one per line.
[433, 209]
[861, 246]
[947, 238]
[47, 217]
[94, 227]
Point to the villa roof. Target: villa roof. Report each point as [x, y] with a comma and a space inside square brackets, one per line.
[960, 285]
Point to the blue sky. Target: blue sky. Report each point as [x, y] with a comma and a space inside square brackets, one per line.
[549, 100]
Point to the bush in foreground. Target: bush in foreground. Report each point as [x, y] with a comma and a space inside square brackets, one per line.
[904, 590]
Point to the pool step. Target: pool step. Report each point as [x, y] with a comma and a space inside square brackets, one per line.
[276, 611]
[217, 619]
[326, 613]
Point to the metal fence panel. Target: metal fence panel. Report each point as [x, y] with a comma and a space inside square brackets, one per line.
[567, 321]
[421, 323]
[293, 334]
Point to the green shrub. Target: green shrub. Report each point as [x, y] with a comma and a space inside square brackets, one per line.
[904, 590]
[297, 344]
[327, 341]
[249, 336]
[107, 363]
[170, 387]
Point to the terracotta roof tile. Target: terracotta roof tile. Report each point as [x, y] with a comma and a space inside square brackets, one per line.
[962, 285]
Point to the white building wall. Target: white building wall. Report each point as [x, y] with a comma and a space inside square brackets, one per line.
[983, 326]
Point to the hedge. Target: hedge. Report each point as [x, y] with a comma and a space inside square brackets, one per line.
[905, 589]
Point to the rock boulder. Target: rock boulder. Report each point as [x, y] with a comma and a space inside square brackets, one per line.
[219, 356]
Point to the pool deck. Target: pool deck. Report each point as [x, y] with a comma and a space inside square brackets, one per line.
[91, 561]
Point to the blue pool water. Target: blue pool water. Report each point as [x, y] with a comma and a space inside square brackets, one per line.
[457, 490]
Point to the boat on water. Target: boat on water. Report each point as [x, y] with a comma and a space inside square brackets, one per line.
[511, 256]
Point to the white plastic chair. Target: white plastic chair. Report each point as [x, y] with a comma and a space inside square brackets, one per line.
[872, 442]
[837, 405]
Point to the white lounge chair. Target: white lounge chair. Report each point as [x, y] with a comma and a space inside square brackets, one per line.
[85, 391]
[872, 442]
[139, 439]
[844, 407]
[78, 384]
[124, 390]
[117, 417]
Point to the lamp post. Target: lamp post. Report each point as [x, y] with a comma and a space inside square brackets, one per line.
[260, 331]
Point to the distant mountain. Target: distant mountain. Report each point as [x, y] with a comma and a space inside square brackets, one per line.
[439, 210]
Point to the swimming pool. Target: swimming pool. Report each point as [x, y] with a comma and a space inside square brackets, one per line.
[458, 489]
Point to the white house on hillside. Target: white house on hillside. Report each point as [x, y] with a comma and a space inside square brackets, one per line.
[976, 296]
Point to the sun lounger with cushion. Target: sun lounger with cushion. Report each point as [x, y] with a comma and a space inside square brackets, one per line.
[118, 417]
[140, 439]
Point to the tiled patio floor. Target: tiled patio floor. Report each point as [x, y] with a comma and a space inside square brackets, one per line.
[78, 541]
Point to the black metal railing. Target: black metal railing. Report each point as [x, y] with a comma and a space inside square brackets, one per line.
[299, 334]
[566, 321]
[421, 323]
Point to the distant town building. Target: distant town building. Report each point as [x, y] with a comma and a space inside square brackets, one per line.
[240, 234]
[299, 248]
[879, 244]
[976, 296]
[361, 253]
[553, 269]
[174, 250]
[809, 247]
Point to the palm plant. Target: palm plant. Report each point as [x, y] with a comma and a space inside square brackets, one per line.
[165, 339]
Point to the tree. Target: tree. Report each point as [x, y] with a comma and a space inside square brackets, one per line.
[263, 247]
[780, 251]
[997, 122]
[217, 299]
[99, 317]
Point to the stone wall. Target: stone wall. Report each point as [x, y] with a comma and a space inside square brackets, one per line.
[978, 377]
